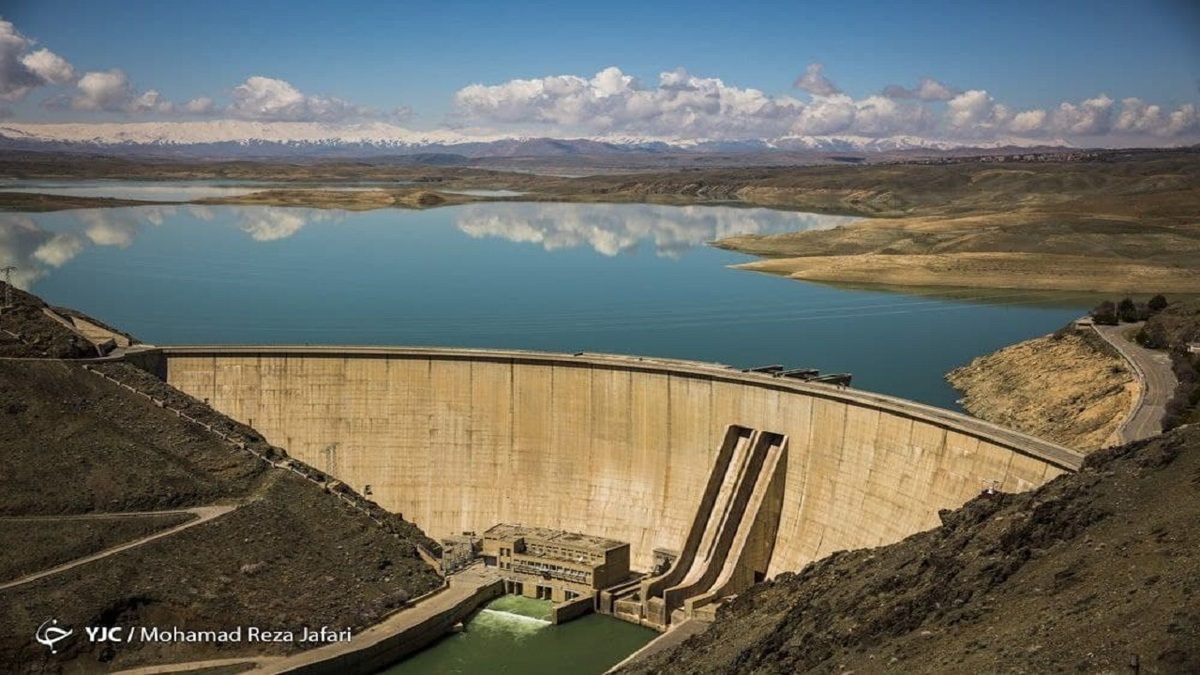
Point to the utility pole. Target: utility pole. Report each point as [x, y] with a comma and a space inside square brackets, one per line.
[8, 284]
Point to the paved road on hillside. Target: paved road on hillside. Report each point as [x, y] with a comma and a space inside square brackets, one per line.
[1153, 368]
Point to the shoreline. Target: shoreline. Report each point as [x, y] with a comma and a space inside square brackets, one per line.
[997, 271]
[1063, 387]
[1047, 272]
[1122, 226]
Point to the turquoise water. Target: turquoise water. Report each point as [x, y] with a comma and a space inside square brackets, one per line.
[561, 277]
[504, 638]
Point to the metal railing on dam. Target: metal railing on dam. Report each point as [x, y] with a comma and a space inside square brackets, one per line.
[619, 446]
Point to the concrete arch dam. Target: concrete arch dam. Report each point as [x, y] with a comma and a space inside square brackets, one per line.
[622, 447]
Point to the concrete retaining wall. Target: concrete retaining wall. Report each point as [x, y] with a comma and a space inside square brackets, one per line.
[372, 658]
[572, 609]
[458, 440]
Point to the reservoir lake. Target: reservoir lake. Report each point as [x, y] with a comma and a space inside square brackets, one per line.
[630, 279]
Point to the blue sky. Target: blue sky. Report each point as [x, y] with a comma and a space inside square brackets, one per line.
[364, 60]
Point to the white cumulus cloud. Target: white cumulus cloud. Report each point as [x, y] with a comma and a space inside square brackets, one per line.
[826, 115]
[974, 113]
[201, 105]
[680, 104]
[815, 83]
[1186, 120]
[107, 90]
[110, 91]
[1028, 121]
[269, 99]
[1139, 117]
[970, 108]
[1090, 118]
[683, 106]
[882, 116]
[49, 66]
[22, 71]
[927, 90]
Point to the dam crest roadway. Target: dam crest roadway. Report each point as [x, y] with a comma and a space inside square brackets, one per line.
[628, 448]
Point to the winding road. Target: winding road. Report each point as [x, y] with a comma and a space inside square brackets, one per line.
[1153, 368]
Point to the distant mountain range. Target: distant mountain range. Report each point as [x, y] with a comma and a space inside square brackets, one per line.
[242, 139]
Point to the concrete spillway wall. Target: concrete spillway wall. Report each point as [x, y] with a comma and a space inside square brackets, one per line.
[459, 440]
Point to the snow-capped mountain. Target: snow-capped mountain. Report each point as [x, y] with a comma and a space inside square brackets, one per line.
[244, 138]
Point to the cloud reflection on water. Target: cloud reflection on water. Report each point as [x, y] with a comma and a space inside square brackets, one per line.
[271, 223]
[37, 243]
[611, 229]
[35, 249]
[31, 249]
[119, 227]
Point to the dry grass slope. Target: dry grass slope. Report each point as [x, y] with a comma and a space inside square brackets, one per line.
[1061, 388]
[1130, 226]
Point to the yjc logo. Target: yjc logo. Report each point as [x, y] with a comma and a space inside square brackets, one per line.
[50, 634]
[104, 633]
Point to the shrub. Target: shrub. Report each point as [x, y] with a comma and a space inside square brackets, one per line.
[1105, 313]
[1127, 311]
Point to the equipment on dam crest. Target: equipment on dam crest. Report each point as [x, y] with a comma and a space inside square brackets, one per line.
[840, 379]
[803, 374]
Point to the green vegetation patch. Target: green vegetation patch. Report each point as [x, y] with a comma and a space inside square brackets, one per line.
[1176, 329]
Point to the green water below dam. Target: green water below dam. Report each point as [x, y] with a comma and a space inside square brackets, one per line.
[512, 634]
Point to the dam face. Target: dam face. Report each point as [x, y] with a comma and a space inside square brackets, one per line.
[620, 447]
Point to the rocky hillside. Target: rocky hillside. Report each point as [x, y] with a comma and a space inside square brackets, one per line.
[1069, 388]
[1092, 573]
[75, 447]
[27, 332]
